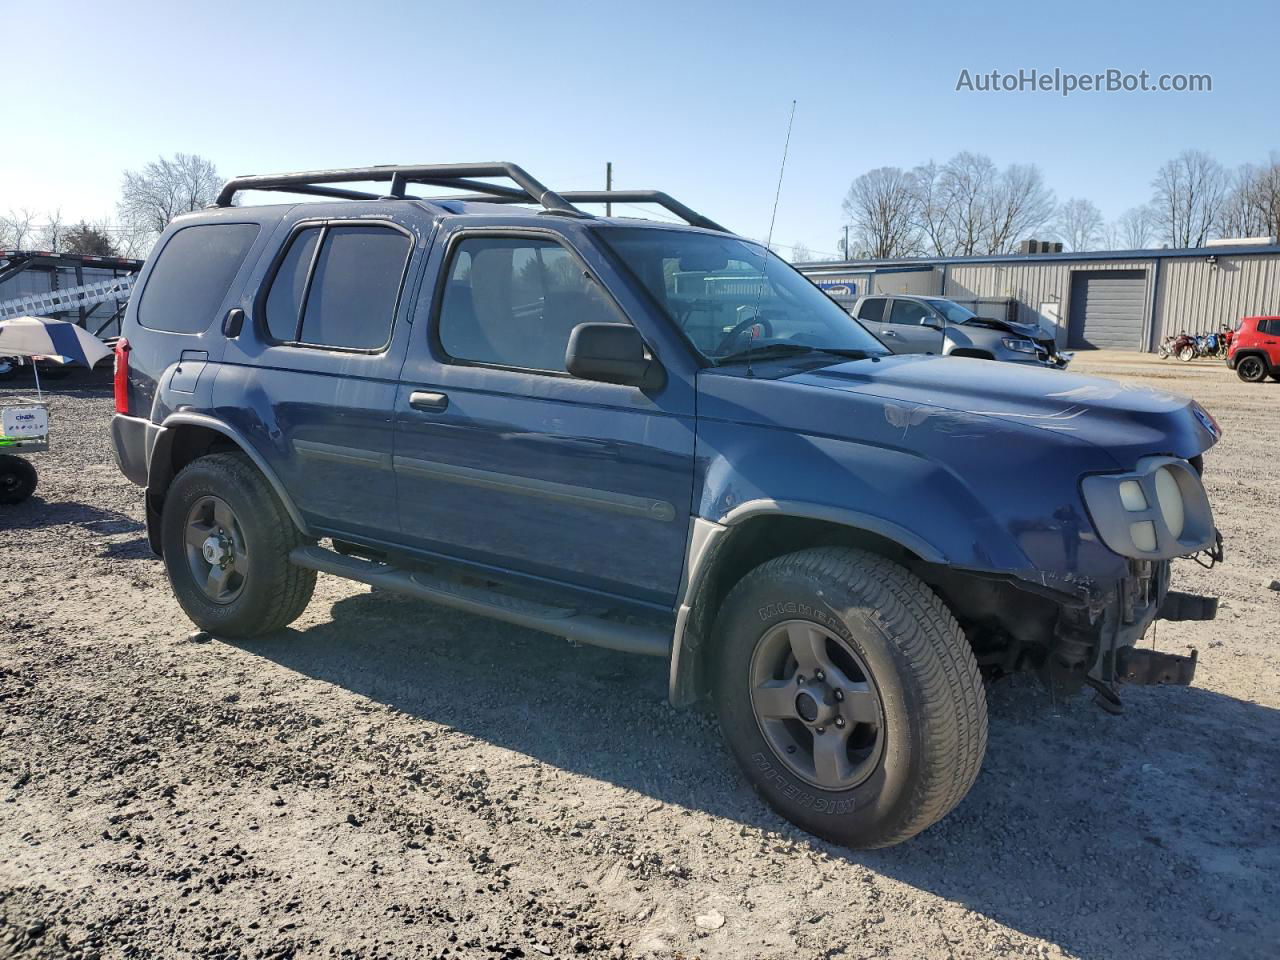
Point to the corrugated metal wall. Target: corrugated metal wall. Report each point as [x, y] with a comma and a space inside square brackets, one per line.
[1199, 297]
[1194, 295]
[1035, 283]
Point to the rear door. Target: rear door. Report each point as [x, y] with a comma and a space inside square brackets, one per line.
[312, 378]
[505, 460]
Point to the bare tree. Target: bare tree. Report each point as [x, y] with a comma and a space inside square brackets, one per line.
[1018, 205]
[881, 207]
[19, 228]
[1252, 207]
[52, 235]
[90, 239]
[800, 252]
[165, 188]
[966, 183]
[1135, 228]
[1189, 193]
[932, 214]
[1080, 224]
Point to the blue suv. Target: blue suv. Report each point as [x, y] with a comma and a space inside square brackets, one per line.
[660, 439]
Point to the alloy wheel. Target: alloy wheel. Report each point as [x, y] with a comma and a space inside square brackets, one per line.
[817, 705]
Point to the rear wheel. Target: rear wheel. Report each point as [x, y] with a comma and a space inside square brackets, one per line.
[1187, 354]
[226, 540]
[18, 479]
[1251, 369]
[849, 694]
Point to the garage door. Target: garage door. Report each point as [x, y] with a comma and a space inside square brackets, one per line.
[1107, 309]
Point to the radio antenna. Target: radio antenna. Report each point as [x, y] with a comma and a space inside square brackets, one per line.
[768, 243]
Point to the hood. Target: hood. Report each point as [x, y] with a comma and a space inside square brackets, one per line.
[1127, 421]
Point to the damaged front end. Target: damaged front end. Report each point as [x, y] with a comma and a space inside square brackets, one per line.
[1096, 643]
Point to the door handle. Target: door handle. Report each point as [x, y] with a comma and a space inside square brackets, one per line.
[887, 333]
[431, 402]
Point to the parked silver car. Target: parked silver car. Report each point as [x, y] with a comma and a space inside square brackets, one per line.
[915, 324]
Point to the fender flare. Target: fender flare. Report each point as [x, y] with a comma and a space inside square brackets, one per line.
[164, 440]
[705, 539]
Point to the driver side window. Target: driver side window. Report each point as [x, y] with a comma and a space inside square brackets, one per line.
[513, 301]
[908, 312]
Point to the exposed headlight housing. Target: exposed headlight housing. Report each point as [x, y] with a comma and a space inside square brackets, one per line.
[1019, 345]
[1157, 512]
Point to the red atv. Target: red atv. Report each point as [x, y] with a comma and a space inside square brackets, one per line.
[1255, 349]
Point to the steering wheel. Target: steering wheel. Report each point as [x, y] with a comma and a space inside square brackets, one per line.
[739, 329]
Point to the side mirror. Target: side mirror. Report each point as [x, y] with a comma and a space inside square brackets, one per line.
[612, 353]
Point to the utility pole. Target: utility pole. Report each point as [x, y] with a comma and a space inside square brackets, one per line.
[846, 241]
[608, 185]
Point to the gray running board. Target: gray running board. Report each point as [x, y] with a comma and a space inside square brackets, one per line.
[556, 620]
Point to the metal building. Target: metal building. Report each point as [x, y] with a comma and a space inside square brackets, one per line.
[1128, 299]
[88, 290]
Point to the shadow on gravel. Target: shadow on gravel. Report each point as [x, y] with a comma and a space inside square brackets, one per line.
[37, 512]
[1155, 829]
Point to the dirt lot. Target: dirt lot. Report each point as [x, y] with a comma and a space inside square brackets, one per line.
[392, 779]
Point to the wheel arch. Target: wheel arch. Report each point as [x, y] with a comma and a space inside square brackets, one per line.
[720, 554]
[185, 437]
[1259, 354]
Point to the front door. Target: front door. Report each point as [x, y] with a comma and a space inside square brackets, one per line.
[911, 327]
[505, 460]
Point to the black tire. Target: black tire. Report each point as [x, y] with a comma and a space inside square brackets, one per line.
[913, 656]
[1251, 369]
[272, 592]
[18, 479]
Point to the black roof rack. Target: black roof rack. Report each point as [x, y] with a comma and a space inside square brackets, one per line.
[460, 176]
[689, 216]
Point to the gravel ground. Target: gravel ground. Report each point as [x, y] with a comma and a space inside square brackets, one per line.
[393, 779]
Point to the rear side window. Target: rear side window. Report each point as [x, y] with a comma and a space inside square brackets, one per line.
[191, 278]
[353, 294]
[872, 310]
[345, 296]
[284, 302]
[1270, 327]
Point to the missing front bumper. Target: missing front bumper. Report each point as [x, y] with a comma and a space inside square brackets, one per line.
[1151, 667]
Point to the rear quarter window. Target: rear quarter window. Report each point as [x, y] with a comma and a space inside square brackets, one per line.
[192, 275]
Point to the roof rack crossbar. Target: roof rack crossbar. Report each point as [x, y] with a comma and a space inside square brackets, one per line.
[440, 174]
[688, 215]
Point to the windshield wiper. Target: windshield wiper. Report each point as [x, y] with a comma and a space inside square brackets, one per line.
[768, 351]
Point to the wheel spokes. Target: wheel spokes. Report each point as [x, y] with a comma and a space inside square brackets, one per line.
[831, 758]
[775, 700]
[860, 703]
[197, 534]
[216, 582]
[808, 646]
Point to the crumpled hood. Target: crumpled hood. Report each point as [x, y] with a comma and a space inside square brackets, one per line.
[1127, 421]
[1028, 330]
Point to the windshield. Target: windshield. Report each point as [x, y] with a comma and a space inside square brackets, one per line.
[952, 311]
[729, 298]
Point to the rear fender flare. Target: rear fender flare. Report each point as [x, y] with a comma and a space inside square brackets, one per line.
[160, 475]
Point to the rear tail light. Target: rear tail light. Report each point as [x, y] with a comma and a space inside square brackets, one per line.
[122, 376]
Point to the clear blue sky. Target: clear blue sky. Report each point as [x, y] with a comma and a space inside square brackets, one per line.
[689, 97]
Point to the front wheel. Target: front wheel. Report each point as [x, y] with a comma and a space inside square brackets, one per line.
[18, 479]
[1251, 369]
[1187, 354]
[849, 695]
[226, 540]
